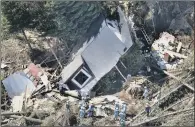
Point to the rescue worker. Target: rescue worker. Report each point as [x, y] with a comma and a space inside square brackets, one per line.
[116, 111]
[122, 118]
[124, 108]
[90, 110]
[145, 94]
[62, 87]
[82, 112]
[68, 106]
[148, 109]
[123, 114]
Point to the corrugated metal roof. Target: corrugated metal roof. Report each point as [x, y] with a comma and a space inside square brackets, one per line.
[71, 68]
[103, 53]
[15, 84]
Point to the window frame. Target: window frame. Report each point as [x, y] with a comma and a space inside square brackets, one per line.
[77, 83]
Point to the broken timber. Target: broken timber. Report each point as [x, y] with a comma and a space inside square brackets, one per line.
[175, 89]
[154, 118]
[174, 77]
[27, 118]
[12, 113]
[176, 54]
[54, 55]
[176, 103]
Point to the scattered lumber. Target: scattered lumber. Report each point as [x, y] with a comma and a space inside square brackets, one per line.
[155, 118]
[174, 77]
[27, 118]
[171, 53]
[176, 104]
[175, 89]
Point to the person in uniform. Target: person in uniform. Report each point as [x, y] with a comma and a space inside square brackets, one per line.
[90, 110]
[123, 114]
[116, 111]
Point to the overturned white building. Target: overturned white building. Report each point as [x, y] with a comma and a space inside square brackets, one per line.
[98, 56]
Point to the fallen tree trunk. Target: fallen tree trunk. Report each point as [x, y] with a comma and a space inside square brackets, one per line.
[175, 104]
[27, 118]
[72, 93]
[12, 113]
[155, 118]
[160, 99]
[174, 77]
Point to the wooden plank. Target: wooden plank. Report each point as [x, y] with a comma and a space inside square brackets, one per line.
[176, 54]
[179, 47]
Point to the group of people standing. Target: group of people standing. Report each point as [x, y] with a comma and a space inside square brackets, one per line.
[83, 111]
[86, 109]
[121, 114]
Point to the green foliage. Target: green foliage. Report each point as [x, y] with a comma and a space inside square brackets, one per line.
[4, 27]
[74, 18]
[22, 15]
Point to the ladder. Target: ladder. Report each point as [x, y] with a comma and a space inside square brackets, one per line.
[145, 35]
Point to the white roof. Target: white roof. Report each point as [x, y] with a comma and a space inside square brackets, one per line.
[102, 52]
[71, 68]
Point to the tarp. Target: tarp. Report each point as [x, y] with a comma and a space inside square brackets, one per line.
[17, 83]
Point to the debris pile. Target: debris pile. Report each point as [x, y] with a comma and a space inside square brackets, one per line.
[168, 52]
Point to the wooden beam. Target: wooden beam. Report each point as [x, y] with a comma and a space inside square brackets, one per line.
[123, 64]
[176, 54]
[120, 73]
[179, 46]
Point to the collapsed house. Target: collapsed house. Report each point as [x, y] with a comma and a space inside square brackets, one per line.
[94, 60]
[168, 52]
[28, 81]
[98, 56]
